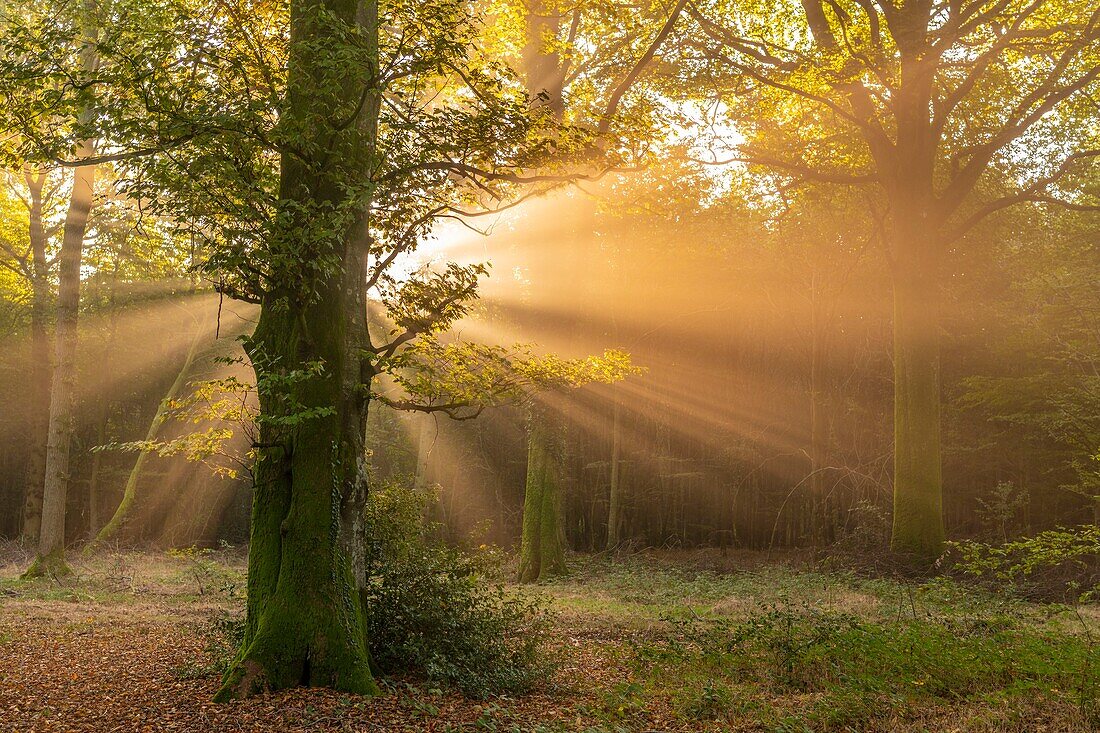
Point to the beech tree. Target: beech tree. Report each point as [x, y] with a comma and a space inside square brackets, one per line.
[928, 108]
[309, 182]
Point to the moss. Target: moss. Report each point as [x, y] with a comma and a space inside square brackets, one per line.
[542, 552]
[304, 623]
[51, 565]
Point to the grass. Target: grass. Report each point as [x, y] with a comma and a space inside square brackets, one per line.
[793, 648]
[667, 642]
[121, 577]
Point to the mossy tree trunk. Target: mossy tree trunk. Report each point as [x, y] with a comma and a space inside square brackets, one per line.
[542, 552]
[306, 558]
[918, 530]
[304, 615]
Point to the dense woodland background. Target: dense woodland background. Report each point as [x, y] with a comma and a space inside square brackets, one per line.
[763, 417]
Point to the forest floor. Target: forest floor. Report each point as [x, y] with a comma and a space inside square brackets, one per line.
[672, 641]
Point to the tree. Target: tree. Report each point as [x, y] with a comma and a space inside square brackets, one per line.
[50, 558]
[33, 260]
[927, 107]
[542, 545]
[365, 165]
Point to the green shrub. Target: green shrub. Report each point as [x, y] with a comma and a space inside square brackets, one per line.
[1057, 565]
[432, 611]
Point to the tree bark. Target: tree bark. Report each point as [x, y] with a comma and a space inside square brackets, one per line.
[916, 255]
[306, 568]
[304, 617]
[541, 547]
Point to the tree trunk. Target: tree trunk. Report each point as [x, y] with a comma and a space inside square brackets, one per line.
[55, 487]
[39, 387]
[51, 541]
[918, 529]
[541, 60]
[424, 442]
[304, 617]
[306, 564]
[129, 493]
[541, 547]
[614, 502]
[541, 553]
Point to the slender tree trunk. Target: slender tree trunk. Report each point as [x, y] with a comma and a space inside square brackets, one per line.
[541, 547]
[51, 542]
[129, 492]
[819, 501]
[39, 386]
[424, 442]
[307, 567]
[614, 502]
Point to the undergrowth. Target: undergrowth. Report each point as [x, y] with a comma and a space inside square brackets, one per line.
[432, 610]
